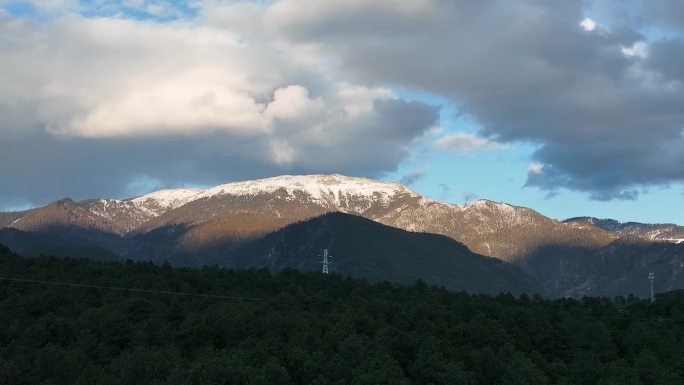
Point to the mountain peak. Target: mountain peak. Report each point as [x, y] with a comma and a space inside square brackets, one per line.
[481, 204]
[319, 187]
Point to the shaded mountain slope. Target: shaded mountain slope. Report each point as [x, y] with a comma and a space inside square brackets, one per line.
[366, 249]
[65, 241]
[6, 218]
[620, 268]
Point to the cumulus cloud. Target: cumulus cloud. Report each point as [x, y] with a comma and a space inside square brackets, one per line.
[293, 103]
[114, 99]
[113, 77]
[464, 143]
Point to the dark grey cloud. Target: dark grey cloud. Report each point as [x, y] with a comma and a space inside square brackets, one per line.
[38, 168]
[607, 121]
[666, 58]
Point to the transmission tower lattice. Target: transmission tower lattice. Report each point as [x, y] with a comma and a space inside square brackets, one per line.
[326, 261]
[651, 277]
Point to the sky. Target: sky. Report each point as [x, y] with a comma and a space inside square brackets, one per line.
[571, 108]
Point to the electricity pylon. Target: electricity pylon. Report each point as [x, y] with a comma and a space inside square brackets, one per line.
[651, 277]
[325, 261]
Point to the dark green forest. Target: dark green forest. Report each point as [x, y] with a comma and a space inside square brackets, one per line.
[77, 321]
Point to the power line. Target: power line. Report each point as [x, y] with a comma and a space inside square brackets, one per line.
[129, 289]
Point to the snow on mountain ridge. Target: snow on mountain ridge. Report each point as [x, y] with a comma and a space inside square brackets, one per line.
[337, 192]
[168, 198]
[330, 190]
[487, 204]
[483, 207]
[321, 188]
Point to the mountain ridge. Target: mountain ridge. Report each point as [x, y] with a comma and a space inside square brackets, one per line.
[185, 223]
[665, 232]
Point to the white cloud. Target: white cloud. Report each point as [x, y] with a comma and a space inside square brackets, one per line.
[536, 168]
[588, 24]
[187, 103]
[282, 153]
[358, 100]
[292, 103]
[463, 142]
[638, 49]
[105, 77]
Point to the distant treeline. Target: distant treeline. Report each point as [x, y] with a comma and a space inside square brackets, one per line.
[69, 321]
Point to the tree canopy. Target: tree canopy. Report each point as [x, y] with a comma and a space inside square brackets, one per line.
[140, 323]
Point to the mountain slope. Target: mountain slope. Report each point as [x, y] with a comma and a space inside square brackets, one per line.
[620, 268]
[366, 249]
[192, 226]
[108, 215]
[362, 249]
[240, 211]
[6, 218]
[63, 241]
[489, 228]
[495, 229]
[664, 232]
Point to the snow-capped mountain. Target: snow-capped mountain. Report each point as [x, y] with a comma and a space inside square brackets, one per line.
[489, 228]
[326, 190]
[194, 226]
[245, 209]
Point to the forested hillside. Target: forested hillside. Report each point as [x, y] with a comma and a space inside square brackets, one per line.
[217, 326]
[369, 250]
[362, 249]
